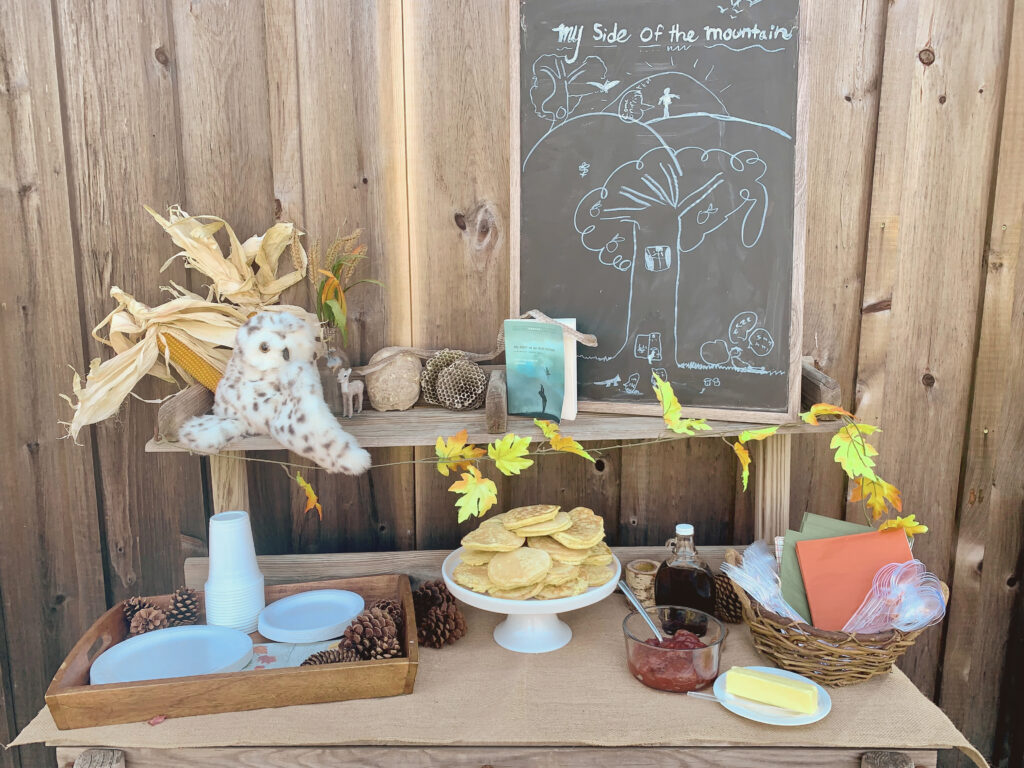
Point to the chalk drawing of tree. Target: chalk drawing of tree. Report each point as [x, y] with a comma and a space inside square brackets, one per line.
[558, 87]
[653, 210]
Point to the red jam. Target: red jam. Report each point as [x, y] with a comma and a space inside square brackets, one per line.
[678, 672]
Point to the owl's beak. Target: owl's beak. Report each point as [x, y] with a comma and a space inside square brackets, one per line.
[286, 354]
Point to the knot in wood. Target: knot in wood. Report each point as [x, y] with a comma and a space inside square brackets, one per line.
[928, 380]
[161, 56]
[926, 56]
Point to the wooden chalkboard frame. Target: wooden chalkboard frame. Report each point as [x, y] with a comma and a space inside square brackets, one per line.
[799, 236]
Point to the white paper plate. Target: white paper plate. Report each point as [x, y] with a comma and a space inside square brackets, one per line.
[309, 617]
[173, 652]
[752, 710]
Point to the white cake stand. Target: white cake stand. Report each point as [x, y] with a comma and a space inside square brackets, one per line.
[530, 626]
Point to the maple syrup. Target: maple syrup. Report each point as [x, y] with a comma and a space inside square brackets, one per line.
[684, 578]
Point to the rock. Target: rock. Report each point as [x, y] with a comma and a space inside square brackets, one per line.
[396, 386]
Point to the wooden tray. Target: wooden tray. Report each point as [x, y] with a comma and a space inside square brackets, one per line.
[76, 704]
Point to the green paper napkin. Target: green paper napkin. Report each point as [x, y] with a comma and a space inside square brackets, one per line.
[813, 527]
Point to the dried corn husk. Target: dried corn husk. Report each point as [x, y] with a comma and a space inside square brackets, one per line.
[233, 277]
[138, 333]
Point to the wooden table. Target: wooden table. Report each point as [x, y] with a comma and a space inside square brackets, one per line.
[133, 753]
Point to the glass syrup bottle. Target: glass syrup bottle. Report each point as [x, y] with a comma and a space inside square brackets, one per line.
[684, 578]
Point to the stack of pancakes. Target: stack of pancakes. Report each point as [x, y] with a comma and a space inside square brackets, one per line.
[536, 551]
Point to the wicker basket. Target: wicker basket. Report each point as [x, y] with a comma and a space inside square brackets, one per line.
[828, 658]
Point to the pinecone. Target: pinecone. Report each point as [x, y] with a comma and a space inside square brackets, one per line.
[442, 624]
[184, 607]
[331, 656]
[372, 635]
[727, 605]
[429, 594]
[438, 618]
[394, 609]
[146, 620]
[133, 605]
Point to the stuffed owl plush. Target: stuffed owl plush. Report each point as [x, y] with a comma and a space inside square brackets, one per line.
[272, 387]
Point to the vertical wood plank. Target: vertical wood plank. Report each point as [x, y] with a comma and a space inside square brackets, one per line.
[227, 166]
[683, 481]
[351, 113]
[457, 118]
[948, 72]
[120, 133]
[986, 571]
[51, 570]
[841, 56]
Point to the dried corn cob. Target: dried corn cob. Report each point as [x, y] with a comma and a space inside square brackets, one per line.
[189, 361]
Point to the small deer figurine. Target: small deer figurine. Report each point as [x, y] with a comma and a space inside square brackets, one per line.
[351, 391]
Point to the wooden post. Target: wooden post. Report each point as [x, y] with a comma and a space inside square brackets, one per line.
[229, 481]
[771, 458]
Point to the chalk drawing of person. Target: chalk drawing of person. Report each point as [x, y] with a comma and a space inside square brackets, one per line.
[666, 100]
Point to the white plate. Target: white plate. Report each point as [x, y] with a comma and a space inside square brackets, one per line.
[532, 625]
[310, 617]
[173, 652]
[752, 710]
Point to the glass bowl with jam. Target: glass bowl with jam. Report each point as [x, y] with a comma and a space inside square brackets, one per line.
[685, 659]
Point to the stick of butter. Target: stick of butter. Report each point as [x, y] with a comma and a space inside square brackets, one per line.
[772, 689]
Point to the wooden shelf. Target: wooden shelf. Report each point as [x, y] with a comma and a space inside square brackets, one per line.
[422, 425]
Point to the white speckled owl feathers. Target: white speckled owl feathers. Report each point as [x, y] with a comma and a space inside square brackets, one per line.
[272, 387]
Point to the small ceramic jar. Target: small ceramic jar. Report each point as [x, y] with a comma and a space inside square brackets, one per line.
[640, 578]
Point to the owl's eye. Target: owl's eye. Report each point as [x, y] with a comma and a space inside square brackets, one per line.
[264, 347]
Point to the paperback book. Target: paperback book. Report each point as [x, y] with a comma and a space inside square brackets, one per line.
[540, 369]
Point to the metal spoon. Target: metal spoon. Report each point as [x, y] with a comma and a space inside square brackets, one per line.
[640, 609]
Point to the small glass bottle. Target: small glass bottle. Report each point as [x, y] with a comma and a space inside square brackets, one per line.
[684, 579]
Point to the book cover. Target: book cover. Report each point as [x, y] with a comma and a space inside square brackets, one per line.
[535, 369]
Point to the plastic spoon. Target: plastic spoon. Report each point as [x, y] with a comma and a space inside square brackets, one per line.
[640, 609]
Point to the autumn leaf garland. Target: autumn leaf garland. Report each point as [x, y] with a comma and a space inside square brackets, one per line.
[510, 455]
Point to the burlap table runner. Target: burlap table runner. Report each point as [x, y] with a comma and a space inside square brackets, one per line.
[477, 693]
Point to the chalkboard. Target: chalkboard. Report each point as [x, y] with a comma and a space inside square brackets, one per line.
[659, 161]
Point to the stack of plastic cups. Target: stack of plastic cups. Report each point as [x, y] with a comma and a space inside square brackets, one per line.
[234, 588]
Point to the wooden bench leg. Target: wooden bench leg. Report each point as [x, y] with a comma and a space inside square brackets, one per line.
[771, 486]
[229, 482]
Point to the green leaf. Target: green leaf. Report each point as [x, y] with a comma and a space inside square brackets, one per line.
[509, 454]
[757, 434]
[853, 452]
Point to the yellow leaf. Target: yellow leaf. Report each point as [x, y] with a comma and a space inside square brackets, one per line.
[455, 454]
[672, 410]
[744, 457]
[568, 445]
[875, 493]
[559, 442]
[477, 494]
[853, 452]
[823, 409]
[757, 434]
[508, 454]
[312, 502]
[909, 525]
[549, 428]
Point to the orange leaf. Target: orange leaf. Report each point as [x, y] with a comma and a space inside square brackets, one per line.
[823, 409]
[312, 501]
[744, 457]
[455, 454]
[875, 493]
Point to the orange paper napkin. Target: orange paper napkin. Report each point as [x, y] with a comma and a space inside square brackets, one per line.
[838, 572]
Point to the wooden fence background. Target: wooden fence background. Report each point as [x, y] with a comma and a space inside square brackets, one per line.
[393, 116]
